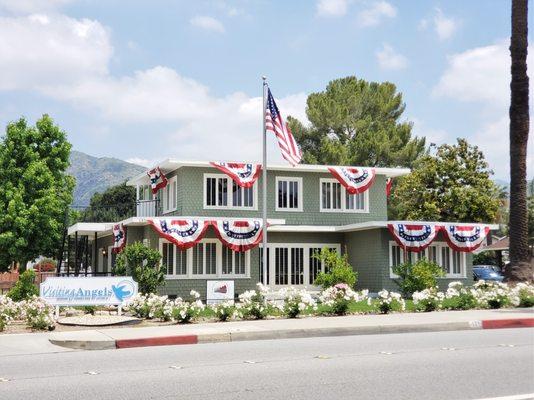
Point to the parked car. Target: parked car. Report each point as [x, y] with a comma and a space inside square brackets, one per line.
[486, 273]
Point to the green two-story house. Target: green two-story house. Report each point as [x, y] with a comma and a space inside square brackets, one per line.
[307, 209]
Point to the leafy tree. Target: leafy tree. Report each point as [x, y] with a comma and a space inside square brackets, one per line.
[35, 190]
[143, 264]
[114, 204]
[453, 184]
[337, 269]
[520, 260]
[355, 122]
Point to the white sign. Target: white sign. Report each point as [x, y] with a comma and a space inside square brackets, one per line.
[87, 291]
[219, 291]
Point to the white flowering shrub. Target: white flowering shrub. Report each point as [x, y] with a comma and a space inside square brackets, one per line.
[38, 314]
[494, 295]
[459, 297]
[295, 301]
[9, 310]
[187, 311]
[339, 297]
[253, 304]
[150, 306]
[225, 310]
[428, 299]
[387, 302]
[525, 293]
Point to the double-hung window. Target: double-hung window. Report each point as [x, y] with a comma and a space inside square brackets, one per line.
[169, 195]
[288, 194]
[335, 198]
[452, 262]
[208, 259]
[220, 191]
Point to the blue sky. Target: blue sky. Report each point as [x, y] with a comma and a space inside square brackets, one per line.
[147, 80]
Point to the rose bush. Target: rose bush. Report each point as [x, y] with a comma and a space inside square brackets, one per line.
[339, 297]
[428, 299]
[295, 301]
[387, 302]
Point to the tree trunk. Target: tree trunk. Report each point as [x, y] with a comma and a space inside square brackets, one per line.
[520, 266]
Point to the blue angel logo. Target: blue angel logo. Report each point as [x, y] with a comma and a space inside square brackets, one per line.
[121, 290]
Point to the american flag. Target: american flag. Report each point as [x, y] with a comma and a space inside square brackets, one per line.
[274, 123]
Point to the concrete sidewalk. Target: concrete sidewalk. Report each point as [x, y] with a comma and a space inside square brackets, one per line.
[112, 338]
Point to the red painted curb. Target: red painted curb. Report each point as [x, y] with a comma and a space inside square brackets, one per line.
[156, 341]
[508, 323]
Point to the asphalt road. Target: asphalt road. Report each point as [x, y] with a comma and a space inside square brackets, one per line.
[443, 365]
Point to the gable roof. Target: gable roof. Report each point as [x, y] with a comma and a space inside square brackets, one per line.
[170, 164]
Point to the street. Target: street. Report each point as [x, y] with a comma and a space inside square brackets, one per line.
[442, 365]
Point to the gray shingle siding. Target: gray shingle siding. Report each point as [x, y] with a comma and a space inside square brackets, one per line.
[190, 201]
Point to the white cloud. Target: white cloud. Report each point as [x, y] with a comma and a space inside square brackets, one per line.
[445, 26]
[482, 75]
[207, 23]
[374, 15]
[332, 8]
[68, 60]
[389, 59]
[478, 74]
[40, 50]
[31, 6]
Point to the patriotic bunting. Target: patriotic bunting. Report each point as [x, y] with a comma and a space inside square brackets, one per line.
[355, 180]
[389, 184]
[240, 235]
[245, 175]
[184, 233]
[157, 179]
[119, 238]
[413, 237]
[465, 238]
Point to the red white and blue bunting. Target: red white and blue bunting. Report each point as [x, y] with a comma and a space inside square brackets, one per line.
[119, 238]
[355, 180]
[412, 236]
[239, 235]
[184, 233]
[158, 180]
[466, 238]
[245, 175]
[389, 184]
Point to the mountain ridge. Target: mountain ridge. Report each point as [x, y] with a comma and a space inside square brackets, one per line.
[96, 174]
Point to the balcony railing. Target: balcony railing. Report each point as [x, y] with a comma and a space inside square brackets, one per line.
[147, 208]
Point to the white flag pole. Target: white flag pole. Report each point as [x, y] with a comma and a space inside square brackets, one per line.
[264, 185]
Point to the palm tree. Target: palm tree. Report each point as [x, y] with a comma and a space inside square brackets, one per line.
[520, 266]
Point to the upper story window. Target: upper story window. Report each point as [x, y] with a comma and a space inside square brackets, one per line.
[169, 195]
[335, 198]
[220, 191]
[288, 194]
[452, 262]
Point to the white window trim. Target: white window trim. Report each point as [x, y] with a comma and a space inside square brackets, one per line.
[306, 261]
[218, 267]
[343, 199]
[166, 208]
[230, 205]
[300, 193]
[439, 245]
